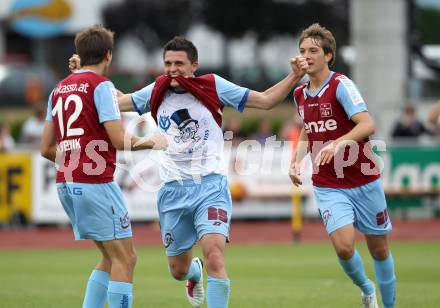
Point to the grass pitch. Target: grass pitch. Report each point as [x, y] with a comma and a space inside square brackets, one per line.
[305, 275]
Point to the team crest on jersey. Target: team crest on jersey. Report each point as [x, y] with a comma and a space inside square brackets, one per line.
[164, 122]
[326, 110]
[188, 127]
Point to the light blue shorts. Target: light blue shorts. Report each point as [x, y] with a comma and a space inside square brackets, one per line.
[189, 210]
[96, 211]
[365, 207]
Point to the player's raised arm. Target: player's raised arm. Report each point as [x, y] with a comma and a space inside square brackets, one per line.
[125, 102]
[434, 114]
[74, 63]
[276, 94]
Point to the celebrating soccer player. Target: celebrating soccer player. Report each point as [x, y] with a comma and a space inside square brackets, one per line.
[346, 180]
[195, 202]
[82, 132]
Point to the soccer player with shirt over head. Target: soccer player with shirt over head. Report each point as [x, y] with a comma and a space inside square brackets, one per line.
[195, 203]
[345, 177]
[82, 132]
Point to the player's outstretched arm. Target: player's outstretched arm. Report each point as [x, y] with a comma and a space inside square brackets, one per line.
[276, 94]
[124, 100]
[124, 141]
[434, 114]
[48, 147]
[74, 63]
[125, 103]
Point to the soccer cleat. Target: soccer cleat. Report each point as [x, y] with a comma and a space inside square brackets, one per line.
[369, 301]
[194, 290]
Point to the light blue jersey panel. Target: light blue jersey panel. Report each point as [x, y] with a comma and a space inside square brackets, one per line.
[141, 99]
[230, 94]
[106, 102]
[350, 98]
[49, 108]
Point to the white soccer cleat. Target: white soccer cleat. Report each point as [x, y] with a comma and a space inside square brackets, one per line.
[369, 301]
[194, 290]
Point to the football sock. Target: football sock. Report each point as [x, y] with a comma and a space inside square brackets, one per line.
[217, 292]
[354, 268]
[386, 280]
[120, 294]
[194, 272]
[96, 292]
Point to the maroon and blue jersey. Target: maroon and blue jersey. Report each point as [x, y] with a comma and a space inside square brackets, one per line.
[78, 107]
[327, 114]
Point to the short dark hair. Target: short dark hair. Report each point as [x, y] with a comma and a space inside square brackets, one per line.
[323, 37]
[93, 43]
[179, 43]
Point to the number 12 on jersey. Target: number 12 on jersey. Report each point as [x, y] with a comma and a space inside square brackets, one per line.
[58, 109]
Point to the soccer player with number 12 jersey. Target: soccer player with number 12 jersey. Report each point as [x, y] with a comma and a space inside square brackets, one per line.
[82, 132]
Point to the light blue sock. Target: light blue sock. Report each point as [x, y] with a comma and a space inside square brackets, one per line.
[194, 273]
[354, 268]
[217, 292]
[120, 294]
[386, 280]
[96, 292]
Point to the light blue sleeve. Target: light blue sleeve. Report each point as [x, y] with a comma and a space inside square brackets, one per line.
[141, 99]
[106, 102]
[230, 94]
[49, 108]
[349, 97]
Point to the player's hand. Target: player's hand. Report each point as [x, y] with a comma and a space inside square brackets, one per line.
[326, 154]
[74, 62]
[294, 173]
[160, 141]
[299, 66]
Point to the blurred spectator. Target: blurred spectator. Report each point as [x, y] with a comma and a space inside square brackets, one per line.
[6, 141]
[264, 131]
[408, 127]
[233, 125]
[33, 128]
[434, 118]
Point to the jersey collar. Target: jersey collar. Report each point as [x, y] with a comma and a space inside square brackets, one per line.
[317, 91]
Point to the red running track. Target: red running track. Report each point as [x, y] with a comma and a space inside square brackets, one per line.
[247, 232]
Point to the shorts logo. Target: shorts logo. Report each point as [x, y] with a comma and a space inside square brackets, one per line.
[168, 239]
[217, 214]
[73, 191]
[325, 216]
[125, 221]
[124, 301]
[382, 218]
